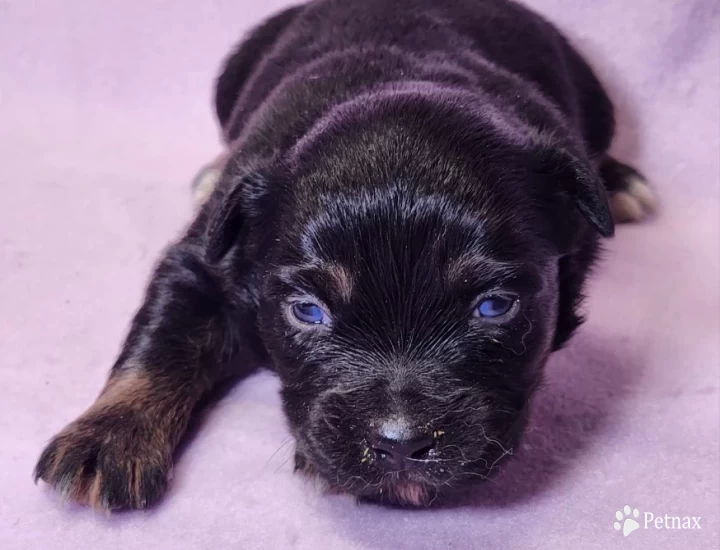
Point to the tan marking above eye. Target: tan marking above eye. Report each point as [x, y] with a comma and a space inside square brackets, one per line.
[341, 278]
[460, 268]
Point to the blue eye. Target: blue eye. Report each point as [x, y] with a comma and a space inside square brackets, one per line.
[494, 306]
[309, 313]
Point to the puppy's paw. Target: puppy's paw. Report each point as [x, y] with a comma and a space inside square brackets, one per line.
[207, 179]
[204, 184]
[634, 203]
[108, 459]
[631, 198]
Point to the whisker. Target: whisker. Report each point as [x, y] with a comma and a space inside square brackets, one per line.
[284, 443]
[283, 463]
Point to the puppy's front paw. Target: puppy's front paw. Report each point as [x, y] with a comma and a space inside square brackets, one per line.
[109, 459]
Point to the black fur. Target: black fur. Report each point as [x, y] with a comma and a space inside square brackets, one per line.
[394, 162]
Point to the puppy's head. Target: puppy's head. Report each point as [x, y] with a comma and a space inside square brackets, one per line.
[411, 293]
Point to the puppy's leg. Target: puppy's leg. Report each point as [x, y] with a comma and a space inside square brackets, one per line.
[118, 453]
[631, 198]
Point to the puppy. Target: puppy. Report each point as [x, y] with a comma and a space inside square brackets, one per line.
[410, 201]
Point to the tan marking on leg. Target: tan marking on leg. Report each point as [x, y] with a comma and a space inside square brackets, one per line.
[130, 387]
[93, 495]
[134, 482]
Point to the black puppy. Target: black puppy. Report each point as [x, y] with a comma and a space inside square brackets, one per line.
[411, 202]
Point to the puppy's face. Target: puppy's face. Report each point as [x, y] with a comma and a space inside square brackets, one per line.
[413, 287]
[409, 331]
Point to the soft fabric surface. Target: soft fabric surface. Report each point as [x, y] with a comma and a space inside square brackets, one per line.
[105, 110]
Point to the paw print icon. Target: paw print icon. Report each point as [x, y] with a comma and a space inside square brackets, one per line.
[627, 520]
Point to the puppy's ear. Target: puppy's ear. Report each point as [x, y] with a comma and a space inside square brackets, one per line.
[225, 222]
[577, 180]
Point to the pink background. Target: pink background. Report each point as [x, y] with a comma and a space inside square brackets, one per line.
[105, 117]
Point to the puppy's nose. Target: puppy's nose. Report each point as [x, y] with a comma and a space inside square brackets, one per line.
[402, 453]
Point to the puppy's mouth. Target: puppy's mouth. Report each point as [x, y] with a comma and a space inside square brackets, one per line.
[412, 482]
[397, 487]
[400, 458]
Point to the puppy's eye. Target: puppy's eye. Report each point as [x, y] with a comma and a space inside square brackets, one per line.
[495, 307]
[309, 313]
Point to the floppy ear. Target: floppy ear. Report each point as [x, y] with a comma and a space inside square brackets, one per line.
[226, 219]
[577, 180]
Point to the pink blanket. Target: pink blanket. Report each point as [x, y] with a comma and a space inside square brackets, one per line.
[104, 119]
